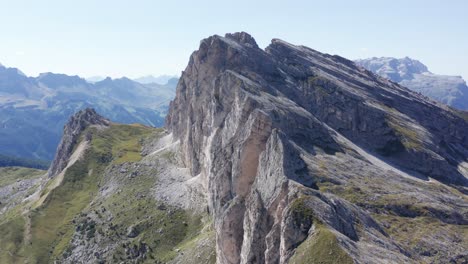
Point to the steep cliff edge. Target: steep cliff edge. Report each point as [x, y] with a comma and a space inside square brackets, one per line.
[302, 152]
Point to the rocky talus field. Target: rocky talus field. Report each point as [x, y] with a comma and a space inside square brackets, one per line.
[276, 155]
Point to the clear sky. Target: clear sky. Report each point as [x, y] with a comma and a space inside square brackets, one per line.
[140, 37]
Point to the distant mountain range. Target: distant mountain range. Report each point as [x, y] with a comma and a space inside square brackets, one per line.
[162, 79]
[148, 79]
[95, 79]
[33, 110]
[281, 155]
[450, 90]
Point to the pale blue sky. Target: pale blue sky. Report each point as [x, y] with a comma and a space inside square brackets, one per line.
[139, 37]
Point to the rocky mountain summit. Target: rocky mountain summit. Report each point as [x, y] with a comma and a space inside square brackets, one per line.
[282, 155]
[450, 90]
[71, 133]
[307, 157]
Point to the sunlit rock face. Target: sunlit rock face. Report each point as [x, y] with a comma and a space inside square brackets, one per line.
[295, 147]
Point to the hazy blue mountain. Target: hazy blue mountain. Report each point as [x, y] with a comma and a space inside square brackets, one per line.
[450, 90]
[33, 110]
[8, 161]
[162, 79]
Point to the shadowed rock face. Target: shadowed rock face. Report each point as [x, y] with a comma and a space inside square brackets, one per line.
[266, 129]
[71, 133]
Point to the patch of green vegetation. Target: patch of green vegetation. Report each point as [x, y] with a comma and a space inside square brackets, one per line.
[409, 138]
[393, 203]
[389, 109]
[52, 223]
[9, 175]
[350, 193]
[300, 210]
[162, 228]
[203, 246]
[12, 222]
[322, 247]
[412, 223]
[379, 195]
[73, 208]
[11, 240]
[317, 83]
[10, 214]
[462, 114]
[419, 233]
[120, 143]
[175, 228]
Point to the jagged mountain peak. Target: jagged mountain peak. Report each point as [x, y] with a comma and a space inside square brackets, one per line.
[122, 81]
[58, 80]
[393, 68]
[264, 127]
[243, 38]
[12, 71]
[282, 155]
[71, 132]
[292, 72]
[411, 73]
[87, 116]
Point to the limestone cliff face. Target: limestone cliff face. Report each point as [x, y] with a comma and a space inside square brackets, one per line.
[266, 129]
[71, 133]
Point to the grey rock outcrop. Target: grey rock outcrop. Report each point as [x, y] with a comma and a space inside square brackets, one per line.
[267, 129]
[71, 133]
[450, 90]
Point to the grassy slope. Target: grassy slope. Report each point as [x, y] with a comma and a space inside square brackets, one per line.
[161, 227]
[67, 208]
[52, 223]
[161, 230]
[11, 239]
[12, 223]
[322, 247]
[410, 223]
[9, 175]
